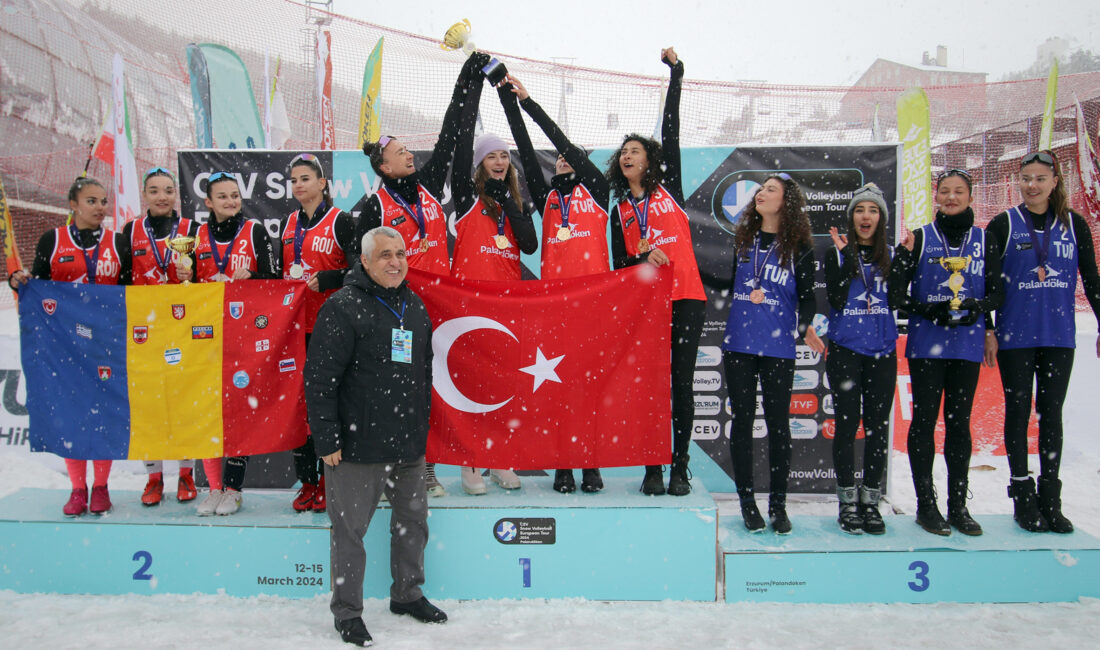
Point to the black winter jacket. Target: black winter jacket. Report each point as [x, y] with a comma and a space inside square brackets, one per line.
[373, 409]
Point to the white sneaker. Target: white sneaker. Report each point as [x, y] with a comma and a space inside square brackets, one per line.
[231, 502]
[505, 478]
[210, 504]
[434, 487]
[472, 483]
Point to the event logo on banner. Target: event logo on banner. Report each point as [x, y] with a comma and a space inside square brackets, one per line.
[916, 169]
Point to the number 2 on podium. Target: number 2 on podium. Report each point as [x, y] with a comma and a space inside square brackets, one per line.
[146, 559]
[921, 582]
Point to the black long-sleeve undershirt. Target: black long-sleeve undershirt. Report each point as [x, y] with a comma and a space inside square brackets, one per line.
[224, 232]
[86, 238]
[838, 275]
[1086, 255]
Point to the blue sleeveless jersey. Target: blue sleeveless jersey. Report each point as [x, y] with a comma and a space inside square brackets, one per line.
[1037, 313]
[926, 339]
[868, 329]
[770, 328]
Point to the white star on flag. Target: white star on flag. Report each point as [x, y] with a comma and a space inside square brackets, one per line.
[543, 369]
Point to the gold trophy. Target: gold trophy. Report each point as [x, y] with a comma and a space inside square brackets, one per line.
[183, 246]
[458, 38]
[955, 281]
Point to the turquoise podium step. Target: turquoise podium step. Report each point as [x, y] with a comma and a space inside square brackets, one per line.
[818, 563]
[526, 543]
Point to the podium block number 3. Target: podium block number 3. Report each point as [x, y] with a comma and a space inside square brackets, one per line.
[920, 573]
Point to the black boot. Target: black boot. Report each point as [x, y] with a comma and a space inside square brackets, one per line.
[679, 477]
[1050, 505]
[868, 510]
[564, 482]
[654, 482]
[777, 513]
[849, 519]
[591, 481]
[1025, 506]
[957, 514]
[749, 512]
[928, 513]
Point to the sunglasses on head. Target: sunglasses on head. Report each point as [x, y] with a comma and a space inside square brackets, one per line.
[221, 176]
[158, 171]
[1038, 156]
[383, 141]
[953, 172]
[785, 176]
[309, 159]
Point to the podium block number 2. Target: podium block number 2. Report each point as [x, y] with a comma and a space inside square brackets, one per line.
[146, 559]
[920, 575]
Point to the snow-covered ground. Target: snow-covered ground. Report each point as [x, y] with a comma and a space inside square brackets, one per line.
[171, 621]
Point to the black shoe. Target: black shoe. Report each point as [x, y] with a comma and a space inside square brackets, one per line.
[1050, 504]
[421, 610]
[563, 481]
[868, 510]
[591, 481]
[957, 514]
[849, 518]
[654, 482]
[1025, 506]
[679, 477]
[928, 513]
[751, 514]
[777, 515]
[353, 630]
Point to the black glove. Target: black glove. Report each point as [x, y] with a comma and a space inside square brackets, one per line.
[937, 312]
[972, 305]
[496, 189]
[480, 60]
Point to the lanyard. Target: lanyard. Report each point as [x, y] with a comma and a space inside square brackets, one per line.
[947, 247]
[91, 262]
[300, 233]
[758, 266]
[643, 214]
[401, 316]
[162, 262]
[222, 262]
[417, 215]
[1041, 248]
[864, 268]
[564, 203]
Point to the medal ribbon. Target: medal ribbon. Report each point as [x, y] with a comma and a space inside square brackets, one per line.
[401, 316]
[300, 232]
[417, 215]
[864, 268]
[564, 203]
[223, 262]
[643, 214]
[758, 267]
[1041, 248]
[91, 263]
[162, 262]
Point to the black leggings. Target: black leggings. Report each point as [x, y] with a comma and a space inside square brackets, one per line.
[306, 467]
[1021, 370]
[863, 388]
[687, 327]
[776, 377]
[953, 380]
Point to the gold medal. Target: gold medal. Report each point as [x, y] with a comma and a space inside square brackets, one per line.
[1042, 273]
[643, 245]
[563, 233]
[296, 271]
[423, 245]
[756, 296]
[501, 241]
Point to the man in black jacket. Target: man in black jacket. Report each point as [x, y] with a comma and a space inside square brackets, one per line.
[368, 393]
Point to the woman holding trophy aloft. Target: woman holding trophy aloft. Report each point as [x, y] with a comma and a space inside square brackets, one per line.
[153, 239]
[947, 276]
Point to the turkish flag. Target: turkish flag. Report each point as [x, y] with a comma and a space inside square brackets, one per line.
[549, 374]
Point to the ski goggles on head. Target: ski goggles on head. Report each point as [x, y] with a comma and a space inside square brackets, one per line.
[310, 160]
[383, 141]
[1037, 156]
[158, 171]
[953, 172]
[221, 176]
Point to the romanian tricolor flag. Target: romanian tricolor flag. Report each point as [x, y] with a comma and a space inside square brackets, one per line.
[164, 372]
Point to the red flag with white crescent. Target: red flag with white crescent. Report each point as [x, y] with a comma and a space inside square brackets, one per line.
[546, 374]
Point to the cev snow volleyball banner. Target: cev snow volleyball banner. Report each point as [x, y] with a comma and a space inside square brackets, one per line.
[164, 372]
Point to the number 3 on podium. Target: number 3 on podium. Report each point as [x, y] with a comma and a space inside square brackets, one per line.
[920, 569]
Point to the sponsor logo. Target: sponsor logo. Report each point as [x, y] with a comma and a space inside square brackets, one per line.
[804, 404]
[707, 380]
[83, 331]
[240, 379]
[759, 408]
[141, 333]
[263, 345]
[179, 311]
[172, 356]
[288, 298]
[730, 198]
[803, 429]
[139, 252]
[706, 430]
[759, 428]
[804, 356]
[708, 356]
[398, 221]
[287, 365]
[65, 258]
[707, 405]
[205, 255]
[534, 530]
[236, 309]
[202, 332]
[626, 224]
[104, 373]
[49, 305]
[261, 321]
[827, 404]
[828, 429]
[806, 379]
[505, 531]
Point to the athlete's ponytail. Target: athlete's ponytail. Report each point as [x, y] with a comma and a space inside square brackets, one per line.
[373, 151]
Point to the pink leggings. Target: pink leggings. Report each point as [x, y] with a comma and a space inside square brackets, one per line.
[213, 469]
[78, 472]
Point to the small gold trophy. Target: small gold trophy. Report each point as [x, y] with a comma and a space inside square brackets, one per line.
[458, 38]
[955, 281]
[182, 246]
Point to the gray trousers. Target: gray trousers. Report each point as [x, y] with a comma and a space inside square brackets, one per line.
[352, 491]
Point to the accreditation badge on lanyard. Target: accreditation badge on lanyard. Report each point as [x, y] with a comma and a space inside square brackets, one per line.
[401, 340]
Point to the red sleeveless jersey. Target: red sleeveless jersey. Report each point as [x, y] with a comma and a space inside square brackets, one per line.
[476, 254]
[242, 252]
[68, 264]
[434, 260]
[145, 268]
[585, 251]
[320, 252]
[669, 230]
